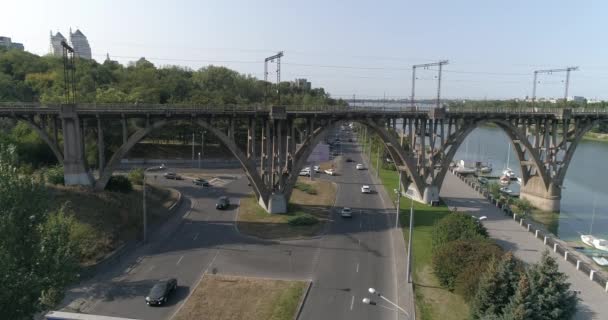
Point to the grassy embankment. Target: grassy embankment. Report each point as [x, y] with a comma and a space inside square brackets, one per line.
[432, 301]
[315, 198]
[108, 219]
[223, 297]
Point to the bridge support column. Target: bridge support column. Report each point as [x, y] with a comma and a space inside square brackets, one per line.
[277, 203]
[431, 194]
[546, 199]
[74, 166]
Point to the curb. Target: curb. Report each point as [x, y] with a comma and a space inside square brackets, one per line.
[302, 301]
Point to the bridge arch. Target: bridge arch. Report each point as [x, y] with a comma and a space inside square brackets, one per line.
[247, 164]
[53, 145]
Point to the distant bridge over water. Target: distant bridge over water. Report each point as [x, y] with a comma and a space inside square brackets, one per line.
[280, 139]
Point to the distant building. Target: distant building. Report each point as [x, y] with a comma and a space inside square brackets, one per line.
[303, 84]
[80, 44]
[7, 43]
[577, 99]
[55, 48]
[78, 41]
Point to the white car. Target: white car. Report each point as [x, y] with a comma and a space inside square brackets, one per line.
[359, 166]
[330, 172]
[346, 212]
[305, 173]
[366, 189]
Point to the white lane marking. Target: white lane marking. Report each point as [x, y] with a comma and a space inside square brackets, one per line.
[352, 303]
[180, 260]
[357, 267]
[195, 236]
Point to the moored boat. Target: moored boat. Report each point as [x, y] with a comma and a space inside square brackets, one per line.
[600, 261]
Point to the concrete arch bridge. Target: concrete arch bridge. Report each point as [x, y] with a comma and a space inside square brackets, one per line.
[280, 139]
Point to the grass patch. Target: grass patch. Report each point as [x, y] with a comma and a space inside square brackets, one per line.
[223, 297]
[108, 219]
[594, 136]
[550, 220]
[306, 217]
[432, 301]
[305, 187]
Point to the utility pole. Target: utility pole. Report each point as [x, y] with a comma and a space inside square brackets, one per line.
[271, 59]
[551, 71]
[193, 146]
[409, 243]
[426, 66]
[202, 143]
[378, 162]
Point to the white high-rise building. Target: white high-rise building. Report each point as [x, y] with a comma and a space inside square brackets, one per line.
[80, 44]
[55, 48]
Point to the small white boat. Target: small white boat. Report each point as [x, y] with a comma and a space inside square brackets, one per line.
[509, 173]
[587, 239]
[506, 190]
[504, 180]
[600, 244]
[601, 261]
[485, 169]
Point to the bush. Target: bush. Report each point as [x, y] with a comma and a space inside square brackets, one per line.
[119, 184]
[458, 261]
[304, 187]
[54, 175]
[136, 176]
[303, 219]
[457, 226]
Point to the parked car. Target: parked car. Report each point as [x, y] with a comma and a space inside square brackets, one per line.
[359, 166]
[305, 173]
[222, 203]
[160, 292]
[172, 175]
[349, 160]
[201, 182]
[346, 212]
[366, 189]
[330, 172]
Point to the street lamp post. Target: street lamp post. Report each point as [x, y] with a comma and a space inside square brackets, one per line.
[371, 302]
[199, 160]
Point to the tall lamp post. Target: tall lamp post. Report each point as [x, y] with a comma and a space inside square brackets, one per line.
[376, 293]
[199, 160]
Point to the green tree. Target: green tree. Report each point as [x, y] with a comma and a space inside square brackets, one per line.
[551, 294]
[455, 257]
[455, 226]
[522, 206]
[37, 257]
[496, 287]
[521, 306]
[136, 176]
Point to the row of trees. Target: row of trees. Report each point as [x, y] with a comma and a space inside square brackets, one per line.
[495, 283]
[28, 77]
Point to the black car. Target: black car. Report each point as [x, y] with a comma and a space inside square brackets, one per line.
[159, 294]
[222, 203]
[349, 160]
[201, 182]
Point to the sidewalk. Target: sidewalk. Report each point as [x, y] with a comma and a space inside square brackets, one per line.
[511, 236]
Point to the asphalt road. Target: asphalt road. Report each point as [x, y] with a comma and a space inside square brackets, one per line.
[357, 253]
[352, 256]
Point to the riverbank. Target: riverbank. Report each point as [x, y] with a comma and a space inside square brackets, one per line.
[595, 136]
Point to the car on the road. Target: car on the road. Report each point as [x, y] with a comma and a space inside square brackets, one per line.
[305, 173]
[172, 175]
[366, 189]
[330, 172]
[160, 292]
[346, 212]
[349, 160]
[350, 139]
[222, 203]
[359, 166]
[201, 182]
[159, 168]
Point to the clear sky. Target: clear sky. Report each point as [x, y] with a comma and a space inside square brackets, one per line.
[349, 47]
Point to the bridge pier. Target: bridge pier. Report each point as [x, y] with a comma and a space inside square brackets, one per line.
[277, 203]
[545, 199]
[431, 194]
[74, 166]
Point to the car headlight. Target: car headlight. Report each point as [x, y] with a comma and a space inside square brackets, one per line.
[147, 298]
